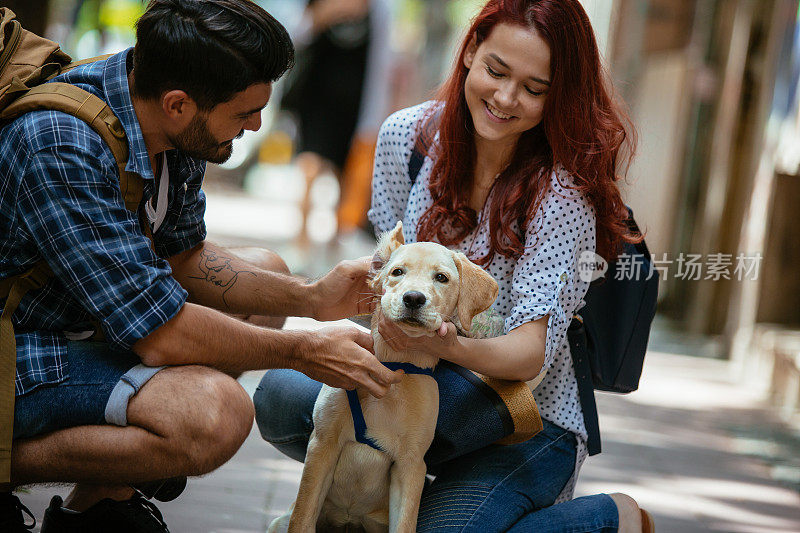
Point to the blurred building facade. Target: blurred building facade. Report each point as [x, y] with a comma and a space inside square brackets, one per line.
[712, 90]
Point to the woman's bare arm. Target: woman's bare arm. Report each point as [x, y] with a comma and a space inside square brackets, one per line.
[517, 355]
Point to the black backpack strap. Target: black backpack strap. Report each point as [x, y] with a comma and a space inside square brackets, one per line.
[583, 375]
[421, 145]
[418, 154]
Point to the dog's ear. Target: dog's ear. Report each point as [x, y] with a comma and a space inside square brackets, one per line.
[388, 243]
[477, 292]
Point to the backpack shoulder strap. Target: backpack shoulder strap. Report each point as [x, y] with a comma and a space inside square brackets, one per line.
[95, 112]
[13, 290]
[418, 154]
[421, 145]
[633, 227]
[74, 64]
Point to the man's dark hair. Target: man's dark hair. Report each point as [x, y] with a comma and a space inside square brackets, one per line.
[212, 49]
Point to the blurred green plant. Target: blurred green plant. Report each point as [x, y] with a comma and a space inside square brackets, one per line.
[461, 12]
[101, 26]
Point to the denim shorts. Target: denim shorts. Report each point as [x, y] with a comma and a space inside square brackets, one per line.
[99, 384]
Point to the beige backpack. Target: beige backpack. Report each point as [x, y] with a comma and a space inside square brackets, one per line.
[27, 61]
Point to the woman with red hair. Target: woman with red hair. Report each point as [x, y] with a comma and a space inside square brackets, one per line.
[524, 144]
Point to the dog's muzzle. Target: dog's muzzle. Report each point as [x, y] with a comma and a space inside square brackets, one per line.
[412, 304]
[413, 300]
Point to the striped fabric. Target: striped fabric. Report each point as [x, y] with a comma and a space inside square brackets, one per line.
[60, 201]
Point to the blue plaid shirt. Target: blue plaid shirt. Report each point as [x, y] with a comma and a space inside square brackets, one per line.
[60, 201]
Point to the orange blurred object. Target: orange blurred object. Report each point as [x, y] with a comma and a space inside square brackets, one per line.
[356, 183]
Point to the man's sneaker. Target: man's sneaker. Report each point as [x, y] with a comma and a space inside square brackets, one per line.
[11, 517]
[136, 515]
[163, 490]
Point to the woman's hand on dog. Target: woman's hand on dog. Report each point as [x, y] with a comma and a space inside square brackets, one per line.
[439, 345]
[341, 357]
[343, 292]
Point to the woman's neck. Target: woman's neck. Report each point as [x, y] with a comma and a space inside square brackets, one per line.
[491, 158]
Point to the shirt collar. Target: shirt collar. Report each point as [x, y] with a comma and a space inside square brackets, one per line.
[118, 97]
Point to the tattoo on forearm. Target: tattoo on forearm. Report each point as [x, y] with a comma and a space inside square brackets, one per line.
[217, 270]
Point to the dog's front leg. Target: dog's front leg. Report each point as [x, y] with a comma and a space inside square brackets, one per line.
[407, 478]
[321, 458]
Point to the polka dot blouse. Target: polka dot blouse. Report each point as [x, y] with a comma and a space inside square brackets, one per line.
[543, 281]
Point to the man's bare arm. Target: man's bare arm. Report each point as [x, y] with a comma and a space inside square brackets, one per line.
[217, 278]
[339, 356]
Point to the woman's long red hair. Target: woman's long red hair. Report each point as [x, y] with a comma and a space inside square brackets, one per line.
[582, 130]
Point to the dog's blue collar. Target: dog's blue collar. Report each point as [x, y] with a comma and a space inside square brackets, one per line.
[355, 406]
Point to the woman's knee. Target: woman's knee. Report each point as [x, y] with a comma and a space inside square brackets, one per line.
[284, 404]
[451, 506]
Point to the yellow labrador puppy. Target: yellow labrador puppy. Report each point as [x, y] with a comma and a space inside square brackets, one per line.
[376, 485]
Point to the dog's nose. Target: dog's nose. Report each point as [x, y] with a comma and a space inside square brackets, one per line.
[414, 299]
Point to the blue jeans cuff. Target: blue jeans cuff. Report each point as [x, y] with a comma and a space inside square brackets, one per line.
[128, 385]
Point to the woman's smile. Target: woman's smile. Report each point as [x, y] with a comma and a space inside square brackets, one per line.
[497, 115]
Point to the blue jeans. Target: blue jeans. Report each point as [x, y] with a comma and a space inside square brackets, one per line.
[99, 385]
[479, 486]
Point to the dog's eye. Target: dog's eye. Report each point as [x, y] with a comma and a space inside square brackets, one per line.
[397, 272]
[441, 278]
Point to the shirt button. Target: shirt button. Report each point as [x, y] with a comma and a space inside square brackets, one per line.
[564, 277]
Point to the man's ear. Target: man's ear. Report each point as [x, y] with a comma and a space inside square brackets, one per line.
[469, 53]
[477, 291]
[388, 243]
[178, 106]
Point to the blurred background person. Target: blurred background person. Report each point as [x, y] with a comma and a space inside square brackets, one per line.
[338, 93]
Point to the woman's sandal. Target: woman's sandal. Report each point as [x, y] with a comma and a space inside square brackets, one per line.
[647, 522]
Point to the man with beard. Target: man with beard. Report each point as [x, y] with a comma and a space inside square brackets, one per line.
[152, 398]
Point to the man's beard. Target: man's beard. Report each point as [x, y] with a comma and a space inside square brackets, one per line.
[197, 141]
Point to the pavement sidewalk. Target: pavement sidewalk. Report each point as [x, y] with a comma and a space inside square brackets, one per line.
[693, 447]
[698, 450]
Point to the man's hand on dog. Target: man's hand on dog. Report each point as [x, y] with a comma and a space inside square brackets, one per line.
[438, 345]
[341, 357]
[343, 292]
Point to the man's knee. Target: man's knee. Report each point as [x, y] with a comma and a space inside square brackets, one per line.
[221, 423]
[205, 415]
[263, 259]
